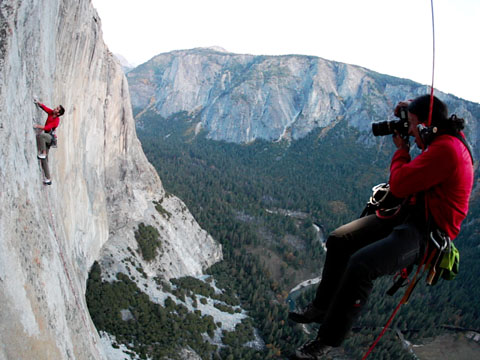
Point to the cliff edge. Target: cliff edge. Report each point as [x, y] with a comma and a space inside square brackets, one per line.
[103, 186]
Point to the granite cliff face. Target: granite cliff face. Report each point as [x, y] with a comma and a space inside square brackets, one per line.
[103, 186]
[240, 98]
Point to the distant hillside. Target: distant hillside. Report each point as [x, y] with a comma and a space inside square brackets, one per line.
[240, 98]
[126, 65]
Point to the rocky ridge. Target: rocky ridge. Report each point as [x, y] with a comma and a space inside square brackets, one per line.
[240, 98]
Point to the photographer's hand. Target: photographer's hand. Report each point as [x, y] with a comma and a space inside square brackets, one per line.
[400, 105]
[401, 142]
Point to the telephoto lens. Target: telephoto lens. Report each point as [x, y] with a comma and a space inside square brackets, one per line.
[389, 127]
[383, 128]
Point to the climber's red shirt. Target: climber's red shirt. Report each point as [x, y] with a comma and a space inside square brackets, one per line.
[445, 172]
[52, 121]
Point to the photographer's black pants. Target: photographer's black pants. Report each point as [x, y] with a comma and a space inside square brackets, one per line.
[357, 254]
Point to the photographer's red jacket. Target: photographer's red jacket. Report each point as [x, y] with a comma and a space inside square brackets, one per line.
[444, 171]
[52, 121]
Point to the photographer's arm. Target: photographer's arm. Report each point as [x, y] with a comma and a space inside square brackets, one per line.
[425, 171]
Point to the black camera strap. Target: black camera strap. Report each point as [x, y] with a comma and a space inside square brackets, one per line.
[428, 134]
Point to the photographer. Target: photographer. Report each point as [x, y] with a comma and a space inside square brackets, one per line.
[436, 186]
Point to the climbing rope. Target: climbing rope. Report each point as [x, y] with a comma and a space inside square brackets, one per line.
[62, 257]
[64, 263]
[430, 112]
[425, 262]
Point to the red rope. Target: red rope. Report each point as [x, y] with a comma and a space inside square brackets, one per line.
[424, 263]
[64, 263]
[433, 68]
[413, 282]
[384, 330]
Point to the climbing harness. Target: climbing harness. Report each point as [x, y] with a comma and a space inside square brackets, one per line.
[53, 143]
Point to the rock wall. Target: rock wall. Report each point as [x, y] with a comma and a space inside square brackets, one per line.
[103, 186]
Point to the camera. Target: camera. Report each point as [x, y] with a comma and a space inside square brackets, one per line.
[388, 127]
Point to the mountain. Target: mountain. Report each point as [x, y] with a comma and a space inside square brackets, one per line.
[104, 190]
[241, 98]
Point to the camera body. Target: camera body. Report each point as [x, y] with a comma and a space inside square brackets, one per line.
[388, 127]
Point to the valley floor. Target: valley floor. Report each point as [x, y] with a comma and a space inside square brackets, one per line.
[459, 346]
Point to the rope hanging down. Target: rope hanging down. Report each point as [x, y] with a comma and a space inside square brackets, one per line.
[64, 264]
[65, 267]
[414, 281]
[433, 68]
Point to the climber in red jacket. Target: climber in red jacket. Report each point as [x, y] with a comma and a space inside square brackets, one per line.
[46, 138]
[438, 183]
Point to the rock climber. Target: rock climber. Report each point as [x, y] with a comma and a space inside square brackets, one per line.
[438, 183]
[47, 138]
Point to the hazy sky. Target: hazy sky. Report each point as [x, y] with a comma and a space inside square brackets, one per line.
[388, 36]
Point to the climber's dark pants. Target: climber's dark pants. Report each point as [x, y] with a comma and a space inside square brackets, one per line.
[43, 142]
[357, 254]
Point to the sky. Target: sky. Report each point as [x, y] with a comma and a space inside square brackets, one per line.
[393, 37]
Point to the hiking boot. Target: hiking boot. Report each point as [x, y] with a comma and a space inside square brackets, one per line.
[308, 315]
[47, 182]
[41, 156]
[311, 350]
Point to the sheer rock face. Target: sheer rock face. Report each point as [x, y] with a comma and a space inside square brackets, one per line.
[103, 186]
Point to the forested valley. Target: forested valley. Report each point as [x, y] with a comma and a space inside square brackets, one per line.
[271, 206]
